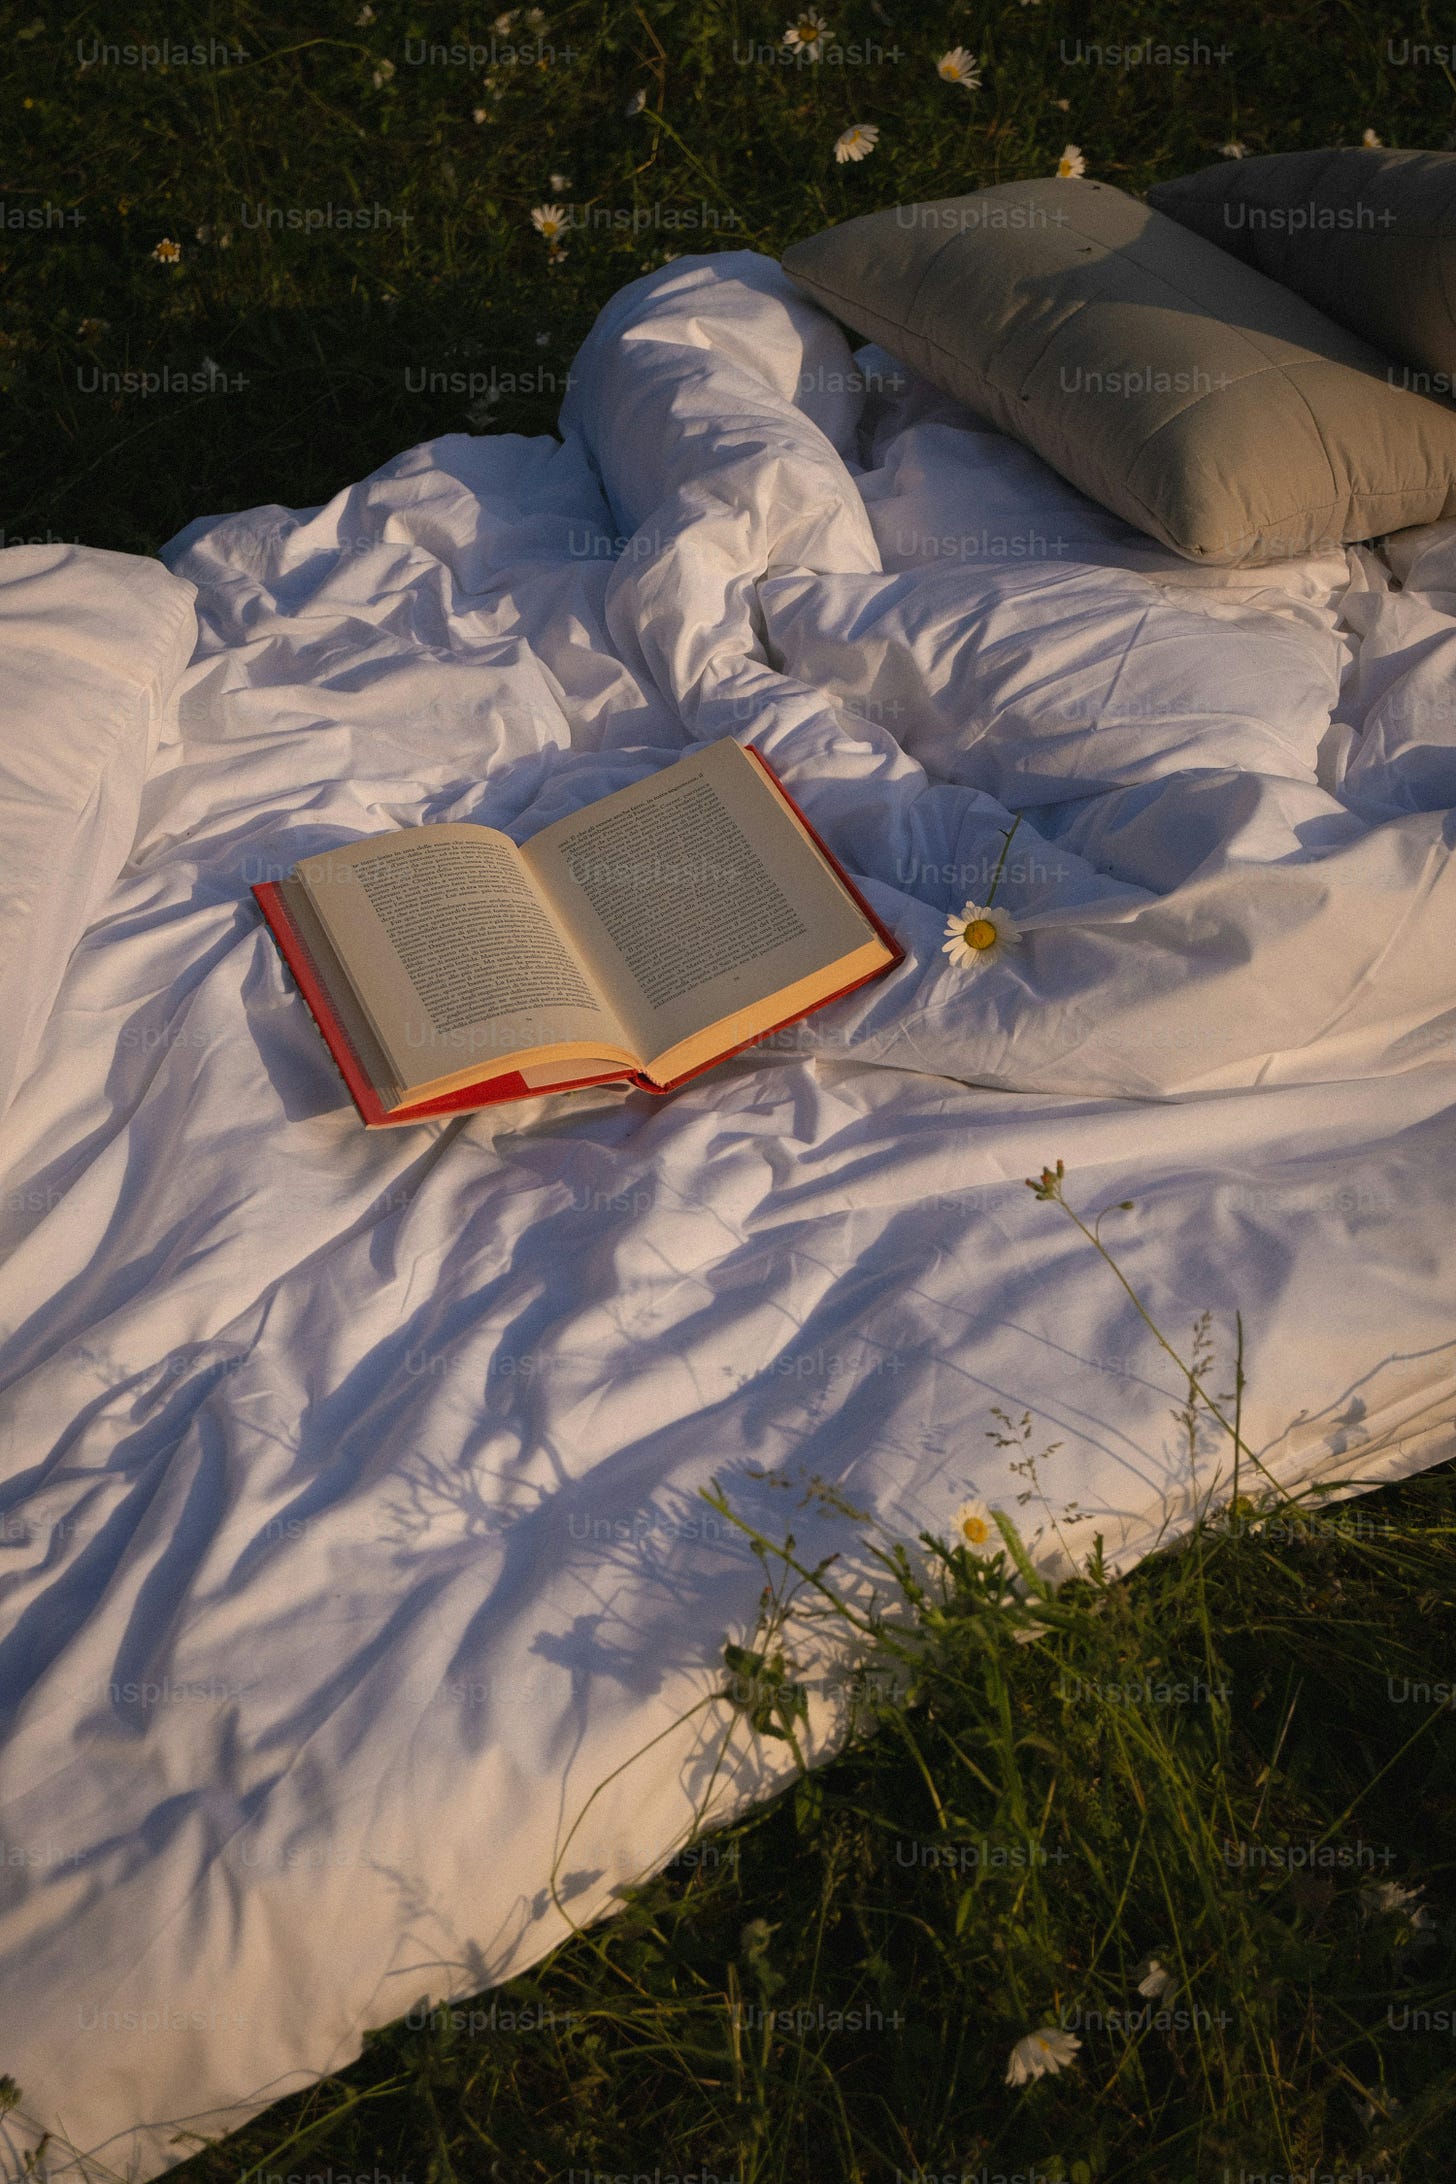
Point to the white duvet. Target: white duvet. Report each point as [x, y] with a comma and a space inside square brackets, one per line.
[348, 1535]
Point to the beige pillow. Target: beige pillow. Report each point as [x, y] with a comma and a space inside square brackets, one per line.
[1369, 236]
[1160, 374]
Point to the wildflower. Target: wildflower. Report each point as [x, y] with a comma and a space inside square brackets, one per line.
[636, 103]
[1370, 141]
[478, 114]
[365, 17]
[974, 1526]
[506, 23]
[1063, 106]
[977, 934]
[806, 35]
[559, 181]
[382, 74]
[535, 19]
[1390, 1896]
[167, 252]
[1050, 1183]
[857, 142]
[1234, 149]
[89, 328]
[959, 66]
[549, 221]
[1152, 1980]
[204, 233]
[1071, 162]
[1041, 2054]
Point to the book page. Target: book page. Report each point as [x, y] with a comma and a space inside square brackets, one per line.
[455, 959]
[694, 896]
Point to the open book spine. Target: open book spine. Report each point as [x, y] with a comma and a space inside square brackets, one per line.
[510, 1085]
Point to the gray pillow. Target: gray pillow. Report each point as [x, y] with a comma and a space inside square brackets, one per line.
[1369, 236]
[1156, 371]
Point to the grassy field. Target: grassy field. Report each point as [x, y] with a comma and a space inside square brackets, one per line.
[290, 348]
[249, 272]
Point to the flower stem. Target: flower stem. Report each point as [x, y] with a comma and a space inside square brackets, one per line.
[1000, 861]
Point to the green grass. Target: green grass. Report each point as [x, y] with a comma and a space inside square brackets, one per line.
[1089, 1832]
[321, 338]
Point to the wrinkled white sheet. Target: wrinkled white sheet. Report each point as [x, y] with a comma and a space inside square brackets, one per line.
[92, 644]
[346, 1515]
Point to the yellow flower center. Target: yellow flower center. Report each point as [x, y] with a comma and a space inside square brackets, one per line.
[980, 933]
[976, 1530]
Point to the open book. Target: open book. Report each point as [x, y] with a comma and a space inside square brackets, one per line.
[642, 939]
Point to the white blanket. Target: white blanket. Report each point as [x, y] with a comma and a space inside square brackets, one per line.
[347, 1512]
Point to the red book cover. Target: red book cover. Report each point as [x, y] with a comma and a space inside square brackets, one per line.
[510, 1084]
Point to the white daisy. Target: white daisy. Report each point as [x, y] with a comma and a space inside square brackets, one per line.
[959, 66]
[550, 222]
[856, 142]
[1371, 141]
[635, 104]
[806, 34]
[505, 24]
[1041, 2054]
[559, 181]
[974, 1526]
[1071, 162]
[1153, 1980]
[479, 113]
[976, 935]
[1233, 149]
